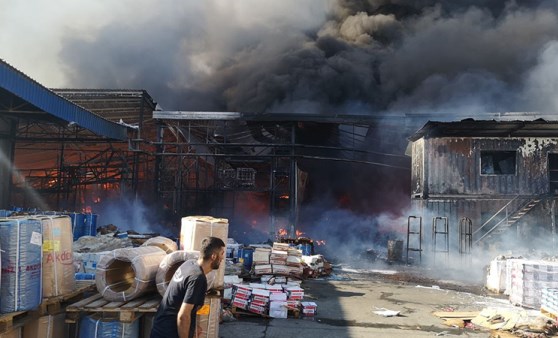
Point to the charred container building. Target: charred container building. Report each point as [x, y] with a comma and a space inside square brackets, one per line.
[501, 177]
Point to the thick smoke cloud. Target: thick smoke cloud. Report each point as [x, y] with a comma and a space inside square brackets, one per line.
[325, 57]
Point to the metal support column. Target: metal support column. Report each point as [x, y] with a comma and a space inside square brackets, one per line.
[412, 233]
[440, 230]
[465, 236]
[293, 193]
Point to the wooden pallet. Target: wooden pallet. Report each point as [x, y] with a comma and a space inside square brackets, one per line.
[55, 305]
[125, 312]
[11, 320]
[550, 314]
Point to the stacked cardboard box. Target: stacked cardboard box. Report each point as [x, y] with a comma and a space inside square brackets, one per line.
[309, 309]
[241, 295]
[278, 259]
[207, 317]
[528, 279]
[549, 300]
[195, 228]
[273, 300]
[294, 292]
[496, 276]
[260, 259]
[259, 301]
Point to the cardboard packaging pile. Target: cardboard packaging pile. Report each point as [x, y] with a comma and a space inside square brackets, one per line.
[280, 260]
[271, 300]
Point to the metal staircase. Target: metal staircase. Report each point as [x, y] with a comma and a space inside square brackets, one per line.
[507, 219]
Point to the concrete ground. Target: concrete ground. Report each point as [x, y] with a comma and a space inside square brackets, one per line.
[346, 303]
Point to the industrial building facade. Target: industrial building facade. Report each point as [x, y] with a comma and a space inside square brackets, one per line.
[73, 149]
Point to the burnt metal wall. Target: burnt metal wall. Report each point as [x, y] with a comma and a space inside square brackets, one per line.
[452, 166]
[447, 182]
[417, 171]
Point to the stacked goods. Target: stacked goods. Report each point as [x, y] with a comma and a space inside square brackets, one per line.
[96, 327]
[549, 300]
[260, 259]
[58, 262]
[128, 273]
[46, 327]
[195, 228]
[163, 243]
[528, 278]
[261, 256]
[496, 276]
[278, 259]
[294, 292]
[309, 309]
[240, 295]
[273, 300]
[278, 309]
[21, 242]
[230, 280]
[207, 317]
[259, 301]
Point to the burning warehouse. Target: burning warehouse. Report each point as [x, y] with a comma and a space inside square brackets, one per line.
[281, 126]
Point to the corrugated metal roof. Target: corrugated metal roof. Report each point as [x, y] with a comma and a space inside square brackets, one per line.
[22, 86]
[474, 128]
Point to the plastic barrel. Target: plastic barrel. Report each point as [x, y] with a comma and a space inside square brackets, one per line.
[246, 257]
[306, 249]
[78, 221]
[90, 225]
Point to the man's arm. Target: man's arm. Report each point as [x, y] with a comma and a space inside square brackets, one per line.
[184, 320]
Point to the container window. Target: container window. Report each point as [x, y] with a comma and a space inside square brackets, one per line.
[498, 162]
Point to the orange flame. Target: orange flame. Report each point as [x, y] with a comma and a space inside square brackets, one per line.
[299, 233]
[320, 242]
[282, 232]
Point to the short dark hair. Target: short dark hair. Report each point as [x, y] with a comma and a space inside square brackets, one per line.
[210, 245]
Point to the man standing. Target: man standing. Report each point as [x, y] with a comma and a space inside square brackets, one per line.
[176, 316]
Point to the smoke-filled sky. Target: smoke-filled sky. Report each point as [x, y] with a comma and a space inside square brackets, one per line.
[312, 56]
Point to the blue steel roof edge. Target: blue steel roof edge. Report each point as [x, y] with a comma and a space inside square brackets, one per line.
[45, 99]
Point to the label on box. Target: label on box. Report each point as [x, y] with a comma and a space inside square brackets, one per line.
[260, 299]
[259, 302]
[241, 295]
[257, 309]
[240, 303]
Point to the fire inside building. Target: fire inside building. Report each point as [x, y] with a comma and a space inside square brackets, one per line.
[81, 149]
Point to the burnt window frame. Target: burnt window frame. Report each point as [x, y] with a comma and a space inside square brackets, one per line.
[514, 152]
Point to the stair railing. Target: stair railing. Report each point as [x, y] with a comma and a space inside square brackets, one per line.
[505, 219]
